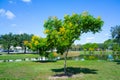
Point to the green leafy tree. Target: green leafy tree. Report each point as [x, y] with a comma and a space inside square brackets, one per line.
[52, 26]
[115, 48]
[100, 45]
[34, 43]
[115, 32]
[108, 43]
[43, 46]
[21, 38]
[86, 46]
[62, 33]
[38, 44]
[91, 47]
[7, 41]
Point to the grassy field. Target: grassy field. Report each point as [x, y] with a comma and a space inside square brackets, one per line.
[80, 70]
[18, 56]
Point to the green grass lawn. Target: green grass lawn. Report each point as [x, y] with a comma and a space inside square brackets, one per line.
[18, 56]
[85, 70]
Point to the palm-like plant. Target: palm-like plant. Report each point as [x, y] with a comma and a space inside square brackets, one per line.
[115, 32]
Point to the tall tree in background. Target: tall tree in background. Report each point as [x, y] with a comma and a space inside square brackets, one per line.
[24, 37]
[108, 43]
[7, 41]
[61, 34]
[91, 47]
[115, 32]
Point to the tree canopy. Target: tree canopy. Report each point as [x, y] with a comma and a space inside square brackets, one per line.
[61, 34]
[37, 44]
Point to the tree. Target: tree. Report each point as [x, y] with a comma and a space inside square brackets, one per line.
[34, 43]
[62, 33]
[115, 32]
[90, 46]
[22, 38]
[108, 43]
[86, 46]
[37, 44]
[115, 48]
[7, 41]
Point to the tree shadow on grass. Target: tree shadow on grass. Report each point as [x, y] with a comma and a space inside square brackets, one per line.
[73, 71]
[118, 62]
[45, 61]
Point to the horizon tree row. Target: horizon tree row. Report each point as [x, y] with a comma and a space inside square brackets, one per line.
[8, 40]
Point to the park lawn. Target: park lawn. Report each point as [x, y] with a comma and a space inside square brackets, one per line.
[18, 56]
[84, 70]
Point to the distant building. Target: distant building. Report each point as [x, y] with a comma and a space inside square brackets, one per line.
[18, 49]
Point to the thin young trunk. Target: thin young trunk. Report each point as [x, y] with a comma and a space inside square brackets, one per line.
[25, 49]
[65, 58]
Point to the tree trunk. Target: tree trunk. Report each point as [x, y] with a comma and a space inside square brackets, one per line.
[25, 49]
[8, 50]
[65, 58]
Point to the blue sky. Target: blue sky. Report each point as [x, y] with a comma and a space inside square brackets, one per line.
[27, 16]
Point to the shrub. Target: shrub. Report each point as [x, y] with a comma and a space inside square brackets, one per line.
[52, 55]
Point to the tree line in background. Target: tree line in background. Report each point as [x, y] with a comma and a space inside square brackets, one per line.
[8, 40]
[110, 44]
[39, 44]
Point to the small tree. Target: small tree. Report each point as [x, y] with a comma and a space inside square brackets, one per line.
[62, 33]
[37, 44]
[91, 47]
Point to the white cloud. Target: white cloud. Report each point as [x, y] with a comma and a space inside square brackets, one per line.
[2, 12]
[9, 14]
[89, 39]
[11, 2]
[27, 1]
